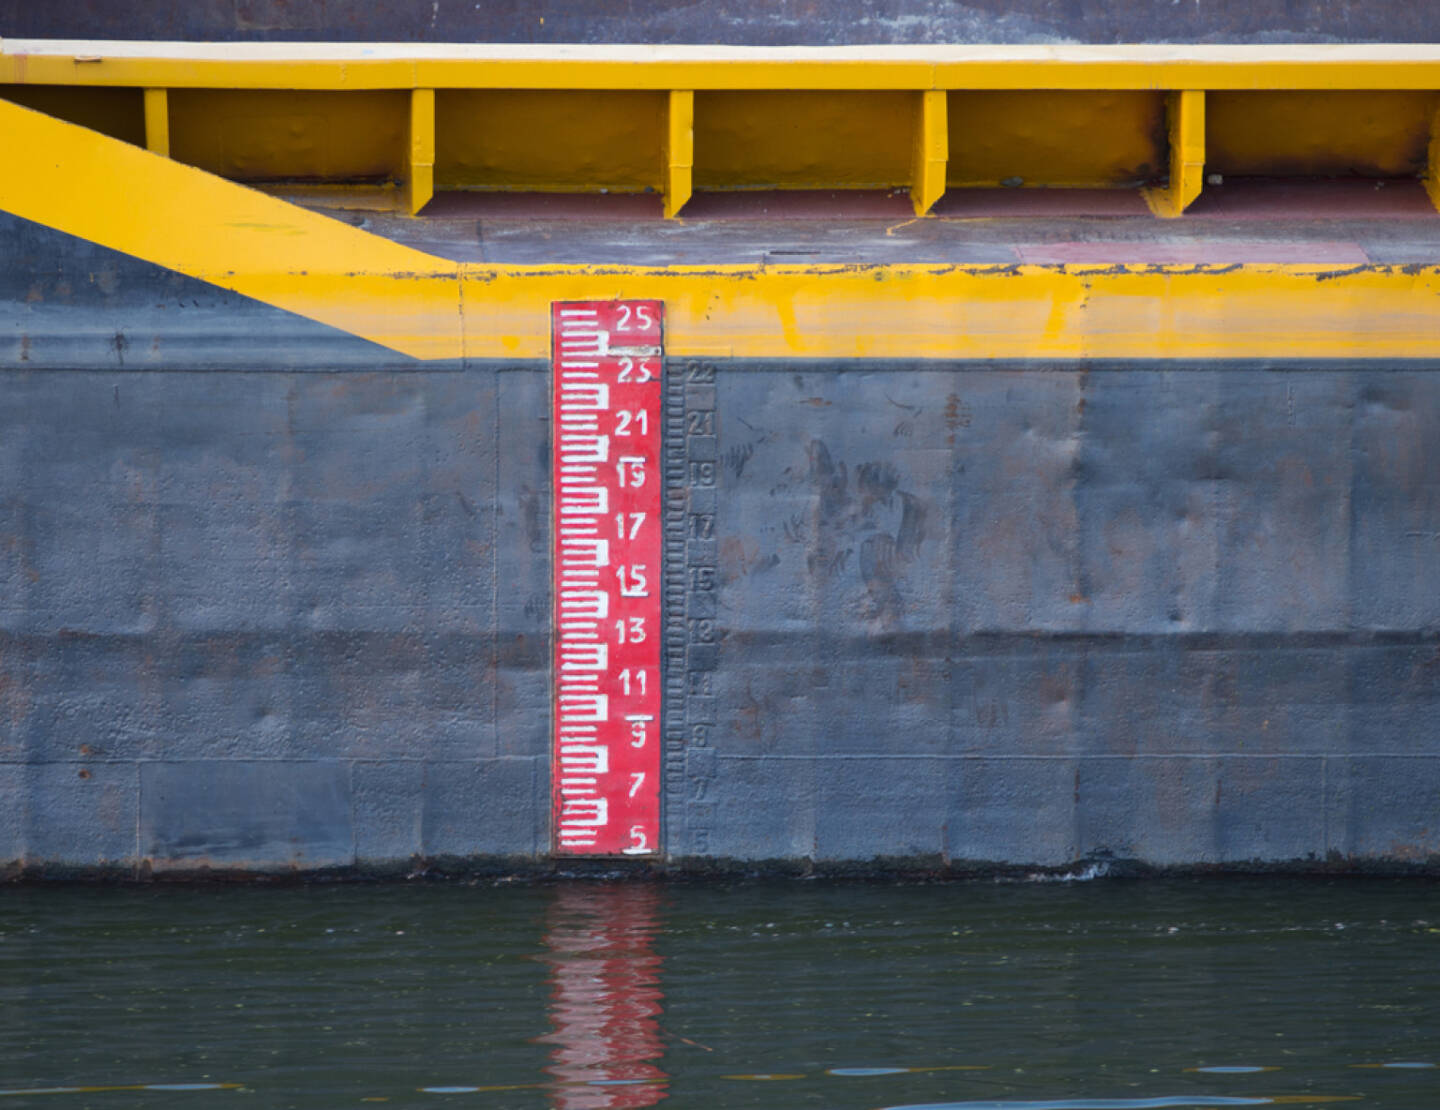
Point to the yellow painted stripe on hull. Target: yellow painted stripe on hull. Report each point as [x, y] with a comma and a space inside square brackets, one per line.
[127, 199]
[984, 312]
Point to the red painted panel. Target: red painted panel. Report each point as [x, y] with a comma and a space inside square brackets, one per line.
[606, 360]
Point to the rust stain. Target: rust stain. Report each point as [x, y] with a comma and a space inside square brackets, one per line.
[957, 415]
[738, 557]
[1055, 687]
[749, 716]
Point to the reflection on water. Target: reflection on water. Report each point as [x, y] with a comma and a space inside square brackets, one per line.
[606, 997]
[1096, 1103]
[981, 996]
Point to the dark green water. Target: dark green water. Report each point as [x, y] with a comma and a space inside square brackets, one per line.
[600, 997]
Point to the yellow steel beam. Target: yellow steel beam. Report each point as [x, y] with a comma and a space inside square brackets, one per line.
[679, 150]
[551, 140]
[932, 152]
[420, 173]
[404, 66]
[1318, 134]
[128, 199]
[771, 139]
[157, 121]
[1185, 112]
[1432, 161]
[1055, 139]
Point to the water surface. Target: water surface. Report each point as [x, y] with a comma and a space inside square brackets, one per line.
[602, 997]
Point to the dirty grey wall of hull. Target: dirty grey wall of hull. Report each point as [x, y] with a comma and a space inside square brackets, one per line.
[741, 22]
[271, 598]
[252, 619]
[1181, 614]
[1184, 616]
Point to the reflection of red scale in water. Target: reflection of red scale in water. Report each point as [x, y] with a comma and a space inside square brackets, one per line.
[606, 999]
[606, 463]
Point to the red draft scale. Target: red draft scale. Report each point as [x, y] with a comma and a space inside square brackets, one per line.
[605, 454]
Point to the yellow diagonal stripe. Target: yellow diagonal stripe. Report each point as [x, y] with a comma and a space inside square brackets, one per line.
[120, 196]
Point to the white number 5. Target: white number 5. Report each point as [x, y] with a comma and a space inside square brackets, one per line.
[639, 845]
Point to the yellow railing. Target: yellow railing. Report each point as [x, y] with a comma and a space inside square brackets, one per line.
[400, 121]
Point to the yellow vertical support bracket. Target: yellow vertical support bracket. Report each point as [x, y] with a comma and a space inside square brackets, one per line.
[157, 121]
[1186, 116]
[679, 150]
[1432, 161]
[420, 157]
[932, 151]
